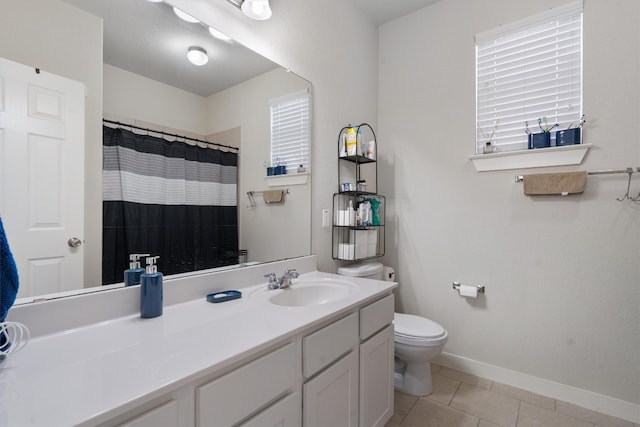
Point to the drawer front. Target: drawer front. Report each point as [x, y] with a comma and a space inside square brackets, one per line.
[238, 394]
[322, 347]
[286, 412]
[163, 415]
[376, 316]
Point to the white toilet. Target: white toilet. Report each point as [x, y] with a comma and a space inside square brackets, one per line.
[417, 340]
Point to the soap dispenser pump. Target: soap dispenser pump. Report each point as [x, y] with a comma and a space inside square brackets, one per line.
[151, 290]
[132, 274]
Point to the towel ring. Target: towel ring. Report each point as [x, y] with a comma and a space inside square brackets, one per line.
[13, 337]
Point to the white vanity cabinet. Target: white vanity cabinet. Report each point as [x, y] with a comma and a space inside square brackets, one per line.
[338, 374]
[348, 367]
[336, 371]
[260, 393]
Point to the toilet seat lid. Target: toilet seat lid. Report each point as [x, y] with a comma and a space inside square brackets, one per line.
[409, 325]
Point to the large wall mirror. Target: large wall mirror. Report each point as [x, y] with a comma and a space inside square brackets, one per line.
[131, 58]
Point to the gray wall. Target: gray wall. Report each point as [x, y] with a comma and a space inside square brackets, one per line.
[562, 274]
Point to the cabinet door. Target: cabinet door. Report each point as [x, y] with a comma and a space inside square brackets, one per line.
[284, 413]
[331, 398]
[376, 379]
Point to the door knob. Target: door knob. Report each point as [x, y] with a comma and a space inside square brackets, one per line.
[74, 242]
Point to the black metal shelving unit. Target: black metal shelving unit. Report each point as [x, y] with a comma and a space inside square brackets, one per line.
[354, 240]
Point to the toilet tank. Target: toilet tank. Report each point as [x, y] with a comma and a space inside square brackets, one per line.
[367, 270]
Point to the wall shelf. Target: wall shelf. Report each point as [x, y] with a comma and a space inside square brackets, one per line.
[537, 158]
[287, 179]
[358, 237]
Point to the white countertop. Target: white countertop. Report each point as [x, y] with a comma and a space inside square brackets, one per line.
[92, 373]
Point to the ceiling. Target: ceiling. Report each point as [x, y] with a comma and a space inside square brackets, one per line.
[148, 39]
[383, 11]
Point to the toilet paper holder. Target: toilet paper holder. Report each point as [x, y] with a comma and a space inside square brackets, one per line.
[456, 286]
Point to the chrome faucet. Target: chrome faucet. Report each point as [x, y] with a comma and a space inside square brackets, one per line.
[282, 282]
[287, 277]
[273, 281]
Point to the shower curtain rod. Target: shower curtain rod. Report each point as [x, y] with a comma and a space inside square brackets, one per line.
[520, 178]
[169, 134]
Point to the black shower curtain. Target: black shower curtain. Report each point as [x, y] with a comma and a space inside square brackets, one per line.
[169, 199]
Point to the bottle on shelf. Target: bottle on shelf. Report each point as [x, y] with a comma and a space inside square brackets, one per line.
[352, 141]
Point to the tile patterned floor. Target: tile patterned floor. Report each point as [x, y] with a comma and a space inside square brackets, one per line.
[460, 400]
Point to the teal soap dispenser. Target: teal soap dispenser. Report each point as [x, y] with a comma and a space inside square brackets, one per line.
[151, 290]
[132, 274]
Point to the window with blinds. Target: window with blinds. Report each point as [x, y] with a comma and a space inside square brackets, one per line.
[290, 130]
[526, 71]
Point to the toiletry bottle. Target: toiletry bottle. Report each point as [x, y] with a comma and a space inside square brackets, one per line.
[359, 148]
[132, 274]
[366, 213]
[151, 290]
[371, 149]
[352, 141]
[343, 144]
[352, 214]
[488, 148]
[375, 212]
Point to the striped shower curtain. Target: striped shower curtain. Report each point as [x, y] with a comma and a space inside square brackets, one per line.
[170, 199]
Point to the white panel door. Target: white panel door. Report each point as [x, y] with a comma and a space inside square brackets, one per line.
[42, 173]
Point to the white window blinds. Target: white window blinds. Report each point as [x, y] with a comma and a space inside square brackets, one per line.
[528, 70]
[290, 130]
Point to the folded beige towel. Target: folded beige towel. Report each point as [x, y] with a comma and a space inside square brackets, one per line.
[561, 183]
[273, 196]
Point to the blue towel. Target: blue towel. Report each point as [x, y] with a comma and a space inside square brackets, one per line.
[8, 276]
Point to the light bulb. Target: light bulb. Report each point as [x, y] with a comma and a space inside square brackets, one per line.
[197, 55]
[217, 34]
[185, 16]
[256, 9]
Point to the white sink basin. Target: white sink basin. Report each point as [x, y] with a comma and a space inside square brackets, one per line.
[312, 291]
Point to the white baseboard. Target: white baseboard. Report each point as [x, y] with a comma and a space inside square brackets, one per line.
[584, 398]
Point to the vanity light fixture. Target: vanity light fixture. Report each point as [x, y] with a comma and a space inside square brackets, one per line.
[185, 16]
[254, 9]
[197, 55]
[217, 34]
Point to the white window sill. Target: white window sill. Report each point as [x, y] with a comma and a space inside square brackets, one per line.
[537, 158]
[287, 179]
